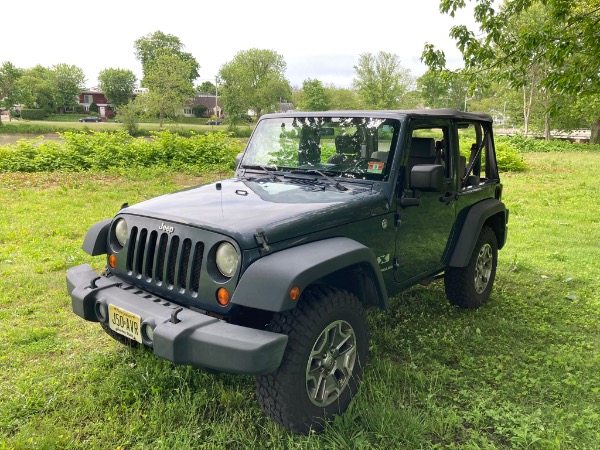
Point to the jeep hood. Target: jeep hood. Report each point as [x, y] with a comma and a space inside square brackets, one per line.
[283, 210]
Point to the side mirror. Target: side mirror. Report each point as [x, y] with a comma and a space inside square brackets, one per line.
[238, 159]
[427, 177]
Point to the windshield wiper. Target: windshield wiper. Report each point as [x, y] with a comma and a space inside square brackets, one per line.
[265, 169]
[335, 183]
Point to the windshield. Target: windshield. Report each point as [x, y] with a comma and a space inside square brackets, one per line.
[351, 147]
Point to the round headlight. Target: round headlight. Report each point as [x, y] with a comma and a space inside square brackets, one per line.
[227, 259]
[121, 231]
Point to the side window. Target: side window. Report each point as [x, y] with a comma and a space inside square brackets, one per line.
[476, 165]
[429, 146]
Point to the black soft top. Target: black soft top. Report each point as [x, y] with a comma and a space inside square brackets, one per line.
[444, 113]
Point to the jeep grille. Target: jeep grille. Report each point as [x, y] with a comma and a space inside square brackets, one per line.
[165, 260]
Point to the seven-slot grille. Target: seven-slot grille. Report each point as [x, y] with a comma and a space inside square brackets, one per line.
[165, 260]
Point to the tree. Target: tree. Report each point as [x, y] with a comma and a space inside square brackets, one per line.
[207, 88]
[313, 96]
[117, 85]
[154, 45]
[169, 86]
[67, 82]
[255, 80]
[381, 81]
[9, 75]
[342, 98]
[35, 88]
[562, 48]
[443, 89]
[129, 115]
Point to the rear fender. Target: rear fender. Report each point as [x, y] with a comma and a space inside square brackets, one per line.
[490, 211]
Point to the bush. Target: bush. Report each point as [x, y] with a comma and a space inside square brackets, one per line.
[529, 145]
[508, 157]
[118, 150]
[33, 114]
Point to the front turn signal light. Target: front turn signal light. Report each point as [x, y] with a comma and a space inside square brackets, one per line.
[223, 297]
[294, 293]
[112, 260]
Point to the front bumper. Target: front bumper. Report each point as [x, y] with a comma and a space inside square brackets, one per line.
[195, 339]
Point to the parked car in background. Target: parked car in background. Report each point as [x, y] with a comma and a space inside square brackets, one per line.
[214, 122]
[90, 119]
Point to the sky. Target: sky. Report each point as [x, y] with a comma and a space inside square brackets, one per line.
[318, 39]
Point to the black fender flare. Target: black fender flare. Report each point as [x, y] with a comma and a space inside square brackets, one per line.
[266, 283]
[463, 244]
[96, 239]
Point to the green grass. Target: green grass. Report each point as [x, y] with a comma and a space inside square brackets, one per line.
[521, 372]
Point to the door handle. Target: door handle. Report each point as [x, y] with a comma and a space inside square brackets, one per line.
[448, 198]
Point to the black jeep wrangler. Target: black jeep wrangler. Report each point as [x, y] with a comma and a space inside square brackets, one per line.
[269, 273]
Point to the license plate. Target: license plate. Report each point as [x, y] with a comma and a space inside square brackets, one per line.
[125, 323]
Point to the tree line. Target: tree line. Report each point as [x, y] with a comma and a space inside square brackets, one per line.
[533, 65]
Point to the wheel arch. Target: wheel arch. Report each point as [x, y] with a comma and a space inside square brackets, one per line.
[340, 262]
[96, 238]
[489, 212]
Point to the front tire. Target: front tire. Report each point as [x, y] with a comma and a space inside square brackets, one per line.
[470, 286]
[323, 362]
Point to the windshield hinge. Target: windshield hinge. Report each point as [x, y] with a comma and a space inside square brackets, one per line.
[261, 239]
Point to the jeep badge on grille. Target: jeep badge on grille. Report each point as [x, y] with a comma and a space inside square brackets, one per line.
[166, 228]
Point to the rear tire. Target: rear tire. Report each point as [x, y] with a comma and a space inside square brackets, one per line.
[470, 286]
[323, 362]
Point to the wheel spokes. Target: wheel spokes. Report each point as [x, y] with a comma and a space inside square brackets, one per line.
[483, 268]
[330, 363]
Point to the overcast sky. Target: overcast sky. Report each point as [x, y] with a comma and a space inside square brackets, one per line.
[318, 38]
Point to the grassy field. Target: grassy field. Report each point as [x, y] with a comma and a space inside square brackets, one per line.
[521, 372]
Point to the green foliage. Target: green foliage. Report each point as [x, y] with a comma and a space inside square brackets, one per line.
[342, 98]
[149, 48]
[33, 114]
[67, 82]
[508, 157]
[443, 89]
[530, 145]
[254, 79]
[313, 97]
[206, 88]
[9, 75]
[169, 86]
[545, 48]
[381, 81]
[118, 150]
[117, 85]
[129, 115]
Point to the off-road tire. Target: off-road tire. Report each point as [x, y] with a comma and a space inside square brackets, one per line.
[119, 337]
[284, 394]
[470, 286]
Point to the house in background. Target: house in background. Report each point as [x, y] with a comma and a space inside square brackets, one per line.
[95, 95]
[206, 105]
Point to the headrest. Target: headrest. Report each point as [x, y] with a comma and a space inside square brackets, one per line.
[346, 144]
[422, 147]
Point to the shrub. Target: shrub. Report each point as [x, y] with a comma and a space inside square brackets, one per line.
[32, 114]
[118, 150]
[528, 145]
[508, 157]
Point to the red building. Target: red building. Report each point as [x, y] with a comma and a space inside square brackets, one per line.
[94, 95]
